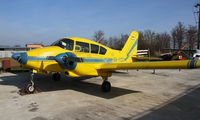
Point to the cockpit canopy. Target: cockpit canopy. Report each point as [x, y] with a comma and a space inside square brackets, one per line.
[68, 44]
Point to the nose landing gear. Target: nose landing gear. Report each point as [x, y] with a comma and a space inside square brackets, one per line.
[31, 87]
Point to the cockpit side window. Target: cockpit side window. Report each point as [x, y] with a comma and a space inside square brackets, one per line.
[94, 48]
[82, 47]
[102, 50]
[67, 44]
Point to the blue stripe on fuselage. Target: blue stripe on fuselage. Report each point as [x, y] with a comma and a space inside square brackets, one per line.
[96, 60]
[37, 58]
[84, 59]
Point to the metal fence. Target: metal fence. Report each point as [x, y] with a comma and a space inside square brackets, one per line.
[8, 54]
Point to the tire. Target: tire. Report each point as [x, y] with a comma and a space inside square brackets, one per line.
[56, 77]
[30, 88]
[106, 86]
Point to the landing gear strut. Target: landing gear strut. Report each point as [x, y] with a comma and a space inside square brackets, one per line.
[106, 86]
[56, 76]
[31, 87]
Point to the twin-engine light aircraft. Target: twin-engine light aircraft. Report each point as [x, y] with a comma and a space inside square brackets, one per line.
[77, 57]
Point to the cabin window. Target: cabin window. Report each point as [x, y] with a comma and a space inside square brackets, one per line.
[67, 44]
[94, 48]
[82, 47]
[102, 50]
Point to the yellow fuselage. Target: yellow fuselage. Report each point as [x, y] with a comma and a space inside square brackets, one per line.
[39, 62]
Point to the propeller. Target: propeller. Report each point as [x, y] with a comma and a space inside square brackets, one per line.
[73, 59]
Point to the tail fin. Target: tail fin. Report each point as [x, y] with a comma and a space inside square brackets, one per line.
[130, 48]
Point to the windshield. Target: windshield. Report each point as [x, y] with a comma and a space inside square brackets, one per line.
[67, 44]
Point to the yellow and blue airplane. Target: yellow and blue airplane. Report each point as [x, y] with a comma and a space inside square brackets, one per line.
[77, 57]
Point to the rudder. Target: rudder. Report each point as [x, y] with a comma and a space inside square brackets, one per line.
[130, 48]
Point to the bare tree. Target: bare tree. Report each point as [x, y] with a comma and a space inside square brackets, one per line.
[173, 34]
[99, 37]
[150, 36]
[191, 36]
[112, 42]
[117, 42]
[178, 35]
[148, 40]
[143, 42]
[122, 40]
[155, 42]
[162, 40]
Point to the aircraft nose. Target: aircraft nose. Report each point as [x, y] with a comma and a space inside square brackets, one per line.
[20, 57]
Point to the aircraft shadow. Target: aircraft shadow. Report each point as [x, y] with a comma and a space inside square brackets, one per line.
[185, 106]
[46, 84]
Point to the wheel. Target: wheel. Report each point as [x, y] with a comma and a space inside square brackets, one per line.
[30, 88]
[56, 77]
[106, 86]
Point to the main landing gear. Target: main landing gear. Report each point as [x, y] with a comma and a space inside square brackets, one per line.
[56, 76]
[106, 86]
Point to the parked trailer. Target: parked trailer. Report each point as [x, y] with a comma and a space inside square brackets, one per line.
[6, 64]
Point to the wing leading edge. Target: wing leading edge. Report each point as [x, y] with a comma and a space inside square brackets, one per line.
[184, 64]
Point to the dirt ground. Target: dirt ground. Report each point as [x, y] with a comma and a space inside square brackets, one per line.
[135, 95]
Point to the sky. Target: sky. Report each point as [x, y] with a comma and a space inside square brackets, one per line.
[45, 21]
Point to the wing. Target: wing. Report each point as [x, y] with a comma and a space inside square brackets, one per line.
[184, 64]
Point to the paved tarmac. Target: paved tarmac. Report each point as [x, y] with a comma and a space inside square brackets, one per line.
[135, 95]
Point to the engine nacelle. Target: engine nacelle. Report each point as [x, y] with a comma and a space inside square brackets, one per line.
[22, 58]
[66, 61]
